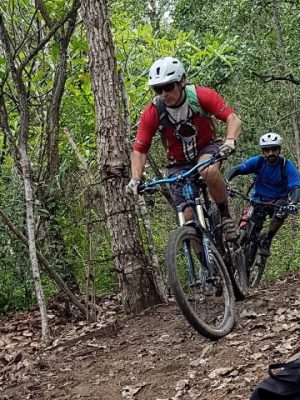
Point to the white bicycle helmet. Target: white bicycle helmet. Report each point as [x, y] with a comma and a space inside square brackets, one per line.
[270, 139]
[165, 70]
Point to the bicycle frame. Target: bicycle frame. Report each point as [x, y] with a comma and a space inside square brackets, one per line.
[190, 199]
[200, 206]
[197, 274]
[250, 234]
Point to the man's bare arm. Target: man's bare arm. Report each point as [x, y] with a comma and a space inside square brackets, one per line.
[138, 161]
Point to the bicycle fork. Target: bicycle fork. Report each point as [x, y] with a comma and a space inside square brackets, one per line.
[189, 263]
[208, 256]
[206, 242]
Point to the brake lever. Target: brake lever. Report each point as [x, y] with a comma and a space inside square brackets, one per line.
[292, 209]
[143, 188]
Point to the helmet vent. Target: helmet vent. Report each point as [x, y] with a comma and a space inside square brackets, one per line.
[165, 70]
[270, 140]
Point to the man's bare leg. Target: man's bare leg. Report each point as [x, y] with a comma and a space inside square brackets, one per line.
[217, 189]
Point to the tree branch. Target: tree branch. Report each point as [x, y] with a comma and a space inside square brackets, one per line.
[270, 78]
[46, 39]
[25, 38]
[4, 125]
[47, 267]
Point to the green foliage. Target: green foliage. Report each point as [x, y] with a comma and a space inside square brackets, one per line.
[220, 43]
[138, 47]
[250, 26]
[285, 251]
[16, 281]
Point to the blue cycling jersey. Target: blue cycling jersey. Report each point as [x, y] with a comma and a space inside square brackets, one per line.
[269, 185]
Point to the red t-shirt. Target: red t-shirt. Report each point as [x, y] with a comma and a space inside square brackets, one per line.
[210, 101]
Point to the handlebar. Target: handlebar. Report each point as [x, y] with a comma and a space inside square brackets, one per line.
[288, 208]
[292, 209]
[235, 193]
[202, 165]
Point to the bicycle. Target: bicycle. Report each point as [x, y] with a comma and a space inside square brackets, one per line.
[250, 234]
[198, 276]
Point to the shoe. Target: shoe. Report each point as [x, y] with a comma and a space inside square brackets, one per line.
[230, 230]
[264, 246]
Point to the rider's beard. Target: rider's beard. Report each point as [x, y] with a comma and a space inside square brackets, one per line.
[272, 159]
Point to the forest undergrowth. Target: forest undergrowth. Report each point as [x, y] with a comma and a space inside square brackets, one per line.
[153, 356]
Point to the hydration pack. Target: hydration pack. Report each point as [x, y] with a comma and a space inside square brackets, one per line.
[284, 385]
[259, 167]
[185, 130]
[194, 105]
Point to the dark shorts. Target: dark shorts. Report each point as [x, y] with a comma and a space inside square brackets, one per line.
[272, 212]
[260, 212]
[177, 188]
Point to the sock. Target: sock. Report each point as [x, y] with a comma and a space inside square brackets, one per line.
[270, 235]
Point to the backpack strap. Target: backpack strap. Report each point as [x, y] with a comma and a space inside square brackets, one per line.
[194, 104]
[282, 170]
[197, 109]
[259, 167]
[163, 115]
[289, 365]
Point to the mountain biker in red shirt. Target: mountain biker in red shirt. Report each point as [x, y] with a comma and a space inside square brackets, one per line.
[187, 136]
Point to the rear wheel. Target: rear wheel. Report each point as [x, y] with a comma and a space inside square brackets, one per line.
[200, 283]
[256, 271]
[233, 256]
[237, 271]
[256, 264]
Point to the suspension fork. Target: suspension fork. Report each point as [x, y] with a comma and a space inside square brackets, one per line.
[187, 249]
[206, 242]
[190, 264]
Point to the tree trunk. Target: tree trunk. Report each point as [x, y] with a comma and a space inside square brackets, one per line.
[31, 240]
[161, 288]
[291, 100]
[48, 196]
[47, 267]
[136, 279]
[24, 128]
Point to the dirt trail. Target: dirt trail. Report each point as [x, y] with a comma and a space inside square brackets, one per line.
[157, 356]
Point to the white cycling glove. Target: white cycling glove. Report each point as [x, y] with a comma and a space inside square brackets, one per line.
[132, 187]
[227, 148]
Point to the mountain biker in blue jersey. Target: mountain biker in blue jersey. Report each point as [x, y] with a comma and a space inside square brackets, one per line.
[277, 182]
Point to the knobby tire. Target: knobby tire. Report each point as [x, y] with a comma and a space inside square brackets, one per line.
[256, 267]
[238, 274]
[175, 264]
[235, 262]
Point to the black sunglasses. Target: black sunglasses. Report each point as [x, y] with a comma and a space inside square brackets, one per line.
[268, 149]
[166, 88]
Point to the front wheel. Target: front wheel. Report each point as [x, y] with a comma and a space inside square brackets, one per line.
[200, 282]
